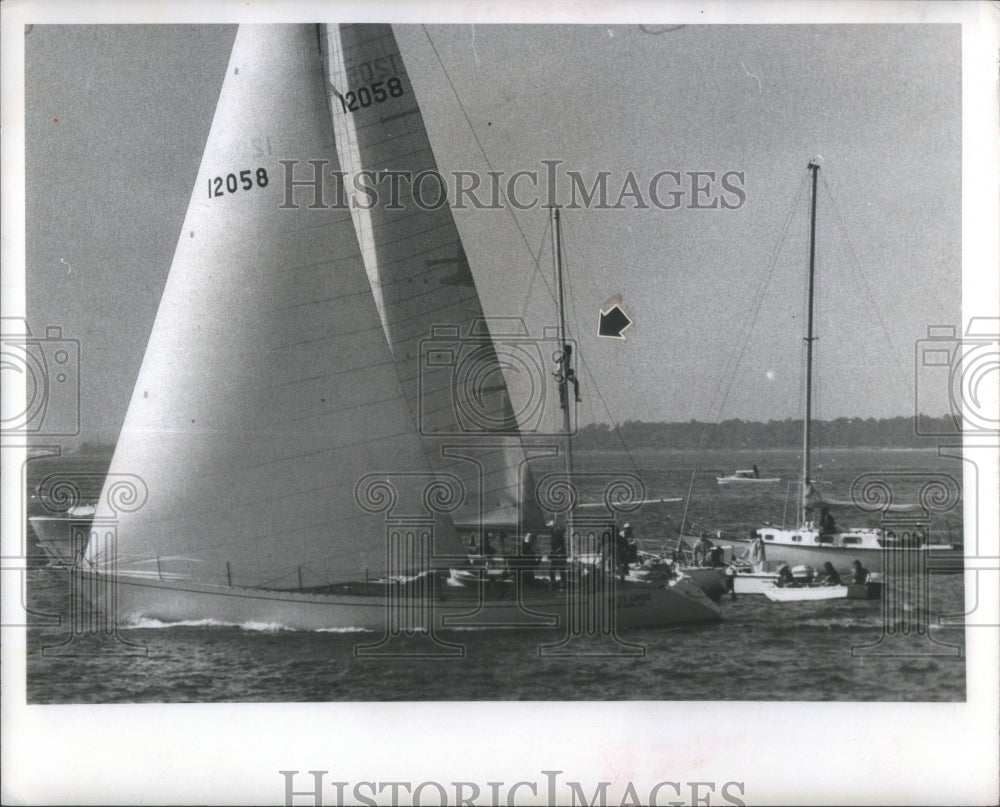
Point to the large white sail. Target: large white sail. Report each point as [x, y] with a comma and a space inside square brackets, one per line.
[267, 390]
[421, 278]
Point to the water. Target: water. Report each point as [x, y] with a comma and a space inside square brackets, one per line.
[761, 650]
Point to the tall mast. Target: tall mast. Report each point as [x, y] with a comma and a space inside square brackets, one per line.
[809, 339]
[566, 373]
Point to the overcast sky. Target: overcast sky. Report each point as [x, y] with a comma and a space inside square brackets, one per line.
[117, 118]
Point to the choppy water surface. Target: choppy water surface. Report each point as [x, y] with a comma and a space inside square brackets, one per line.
[832, 650]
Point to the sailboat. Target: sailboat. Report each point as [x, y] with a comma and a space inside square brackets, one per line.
[301, 462]
[818, 539]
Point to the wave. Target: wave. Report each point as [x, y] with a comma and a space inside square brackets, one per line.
[149, 623]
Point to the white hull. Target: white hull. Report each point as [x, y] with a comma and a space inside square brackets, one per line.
[792, 594]
[753, 582]
[812, 550]
[55, 537]
[710, 579]
[636, 605]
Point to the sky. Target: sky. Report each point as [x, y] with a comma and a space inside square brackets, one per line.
[117, 117]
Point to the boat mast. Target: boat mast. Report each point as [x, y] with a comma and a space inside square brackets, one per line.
[565, 373]
[809, 339]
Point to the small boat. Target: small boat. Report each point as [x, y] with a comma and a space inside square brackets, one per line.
[746, 476]
[871, 590]
[55, 534]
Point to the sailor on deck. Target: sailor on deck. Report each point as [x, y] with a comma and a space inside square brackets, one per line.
[701, 549]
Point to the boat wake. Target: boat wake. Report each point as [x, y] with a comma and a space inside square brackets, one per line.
[149, 623]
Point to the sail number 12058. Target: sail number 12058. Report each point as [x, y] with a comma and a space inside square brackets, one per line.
[353, 100]
[233, 183]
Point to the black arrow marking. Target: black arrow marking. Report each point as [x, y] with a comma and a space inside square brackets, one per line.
[613, 323]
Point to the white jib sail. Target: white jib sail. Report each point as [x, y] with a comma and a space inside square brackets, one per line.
[413, 252]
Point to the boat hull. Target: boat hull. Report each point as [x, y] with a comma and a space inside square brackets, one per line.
[635, 605]
[939, 558]
[861, 591]
[753, 582]
[739, 480]
[710, 579]
[55, 537]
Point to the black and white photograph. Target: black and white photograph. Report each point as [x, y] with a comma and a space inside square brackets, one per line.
[438, 404]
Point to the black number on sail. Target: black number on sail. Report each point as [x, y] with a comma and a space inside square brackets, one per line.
[233, 184]
[362, 97]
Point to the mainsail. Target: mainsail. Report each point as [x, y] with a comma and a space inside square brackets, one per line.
[267, 390]
[421, 278]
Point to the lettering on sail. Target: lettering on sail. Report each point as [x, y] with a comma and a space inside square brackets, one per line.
[381, 68]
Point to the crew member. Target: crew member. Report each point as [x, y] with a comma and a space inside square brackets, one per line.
[830, 576]
[785, 578]
[701, 549]
[557, 555]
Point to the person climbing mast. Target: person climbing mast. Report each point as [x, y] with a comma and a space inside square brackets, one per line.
[564, 373]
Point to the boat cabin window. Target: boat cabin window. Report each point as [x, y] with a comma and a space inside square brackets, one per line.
[768, 537]
[796, 537]
[824, 539]
[851, 539]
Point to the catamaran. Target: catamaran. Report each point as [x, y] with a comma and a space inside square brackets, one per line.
[303, 454]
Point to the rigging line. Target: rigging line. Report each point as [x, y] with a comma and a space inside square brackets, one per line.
[582, 364]
[536, 257]
[736, 359]
[856, 263]
[747, 328]
[489, 164]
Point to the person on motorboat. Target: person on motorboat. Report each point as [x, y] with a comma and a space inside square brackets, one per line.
[785, 578]
[830, 576]
[622, 550]
[756, 472]
[859, 574]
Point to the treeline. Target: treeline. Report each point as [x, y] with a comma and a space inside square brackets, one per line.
[898, 432]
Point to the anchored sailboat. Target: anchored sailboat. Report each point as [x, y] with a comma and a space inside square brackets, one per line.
[818, 539]
[286, 440]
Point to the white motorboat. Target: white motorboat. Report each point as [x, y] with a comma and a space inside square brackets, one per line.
[56, 533]
[746, 477]
[871, 590]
